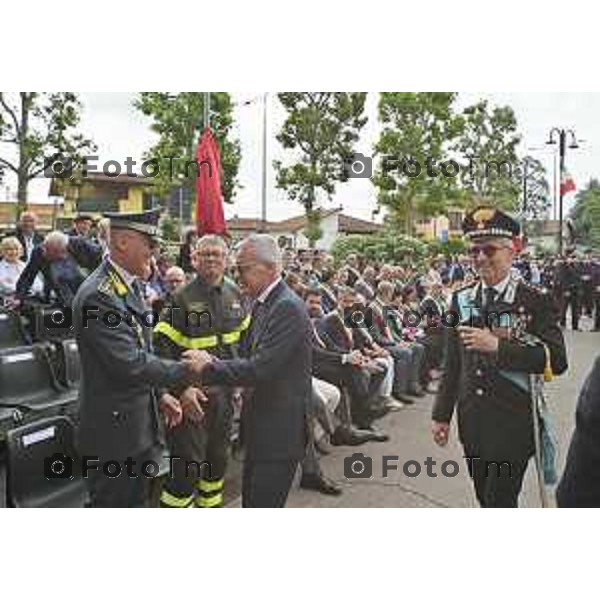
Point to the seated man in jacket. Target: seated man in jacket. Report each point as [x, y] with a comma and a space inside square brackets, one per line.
[344, 369]
[337, 335]
[408, 356]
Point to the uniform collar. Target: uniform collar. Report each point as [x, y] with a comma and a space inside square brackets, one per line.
[499, 287]
[126, 276]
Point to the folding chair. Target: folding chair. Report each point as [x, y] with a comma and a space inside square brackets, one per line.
[42, 466]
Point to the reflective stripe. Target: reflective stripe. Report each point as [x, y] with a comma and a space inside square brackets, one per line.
[209, 502]
[210, 486]
[199, 343]
[169, 501]
[234, 336]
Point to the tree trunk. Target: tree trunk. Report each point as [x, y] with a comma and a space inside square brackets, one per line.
[22, 179]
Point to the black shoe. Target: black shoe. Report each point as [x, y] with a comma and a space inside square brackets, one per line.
[375, 435]
[348, 437]
[320, 484]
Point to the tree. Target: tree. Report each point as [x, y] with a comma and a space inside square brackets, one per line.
[322, 129]
[535, 189]
[586, 215]
[416, 174]
[35, 126]
[178, 121]
[487, 146]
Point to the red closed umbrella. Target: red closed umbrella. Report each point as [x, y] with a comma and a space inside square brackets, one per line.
[210, 217]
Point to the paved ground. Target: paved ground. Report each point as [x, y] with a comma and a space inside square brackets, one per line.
[409, 430]
[410, 440]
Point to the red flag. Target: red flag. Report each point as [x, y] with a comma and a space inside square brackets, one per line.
[210, 216]
[567, 183]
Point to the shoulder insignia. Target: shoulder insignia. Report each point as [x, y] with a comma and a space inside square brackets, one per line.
[116, 284]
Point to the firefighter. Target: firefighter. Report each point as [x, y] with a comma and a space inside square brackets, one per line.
[206, 314]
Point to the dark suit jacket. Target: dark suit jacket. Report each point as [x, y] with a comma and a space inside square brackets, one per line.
[494, 413]
[580, 483]
[276, 362]
[85, 253]
[121, 376]
[38, 238]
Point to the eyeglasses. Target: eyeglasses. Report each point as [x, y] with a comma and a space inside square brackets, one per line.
[489, 250]
[208, 254]
[241, 267]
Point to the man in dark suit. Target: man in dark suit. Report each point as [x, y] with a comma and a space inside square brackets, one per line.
[61, 260]
[276, 363]
[122, 380]
[580, 483]
[28, 236]
[343, 370]
[508, 334]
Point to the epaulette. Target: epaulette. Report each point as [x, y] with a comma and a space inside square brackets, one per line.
[466, 287]
[112, 285]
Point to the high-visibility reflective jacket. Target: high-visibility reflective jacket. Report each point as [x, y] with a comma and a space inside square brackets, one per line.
[202, 317]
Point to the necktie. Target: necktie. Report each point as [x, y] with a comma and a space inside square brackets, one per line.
[136, 287]
[490, 296]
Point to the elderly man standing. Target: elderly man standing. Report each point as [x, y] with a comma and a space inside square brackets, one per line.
[123, 381]
[490, 361]
[27, 234]
[275, 362]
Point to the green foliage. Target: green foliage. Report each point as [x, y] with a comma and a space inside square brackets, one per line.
[178, 121]
[487, 145]
[170, 229]
[384, 247]
[586, 215]
[319, 132]
[35, 126]
[538, 200]
[452, 247]
[418, 127]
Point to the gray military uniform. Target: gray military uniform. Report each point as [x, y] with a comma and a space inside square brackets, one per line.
[121, 382]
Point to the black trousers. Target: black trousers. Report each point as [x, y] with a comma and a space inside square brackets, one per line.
[123, 491]
[571, 299]
[266, 484]
[356, 382]
[497, 485]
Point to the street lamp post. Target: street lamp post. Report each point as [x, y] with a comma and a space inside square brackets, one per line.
[265, 150]
[562, 151]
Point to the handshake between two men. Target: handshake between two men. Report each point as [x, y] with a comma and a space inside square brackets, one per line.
[191, 401]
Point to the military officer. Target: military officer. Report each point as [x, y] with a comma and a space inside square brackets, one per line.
[206, 314]
[507, 332]
[120, 392]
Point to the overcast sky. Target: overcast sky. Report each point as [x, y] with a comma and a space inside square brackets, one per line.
[121, 131]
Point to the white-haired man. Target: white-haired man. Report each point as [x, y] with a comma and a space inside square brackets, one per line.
[275, 363]
[61, 261]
